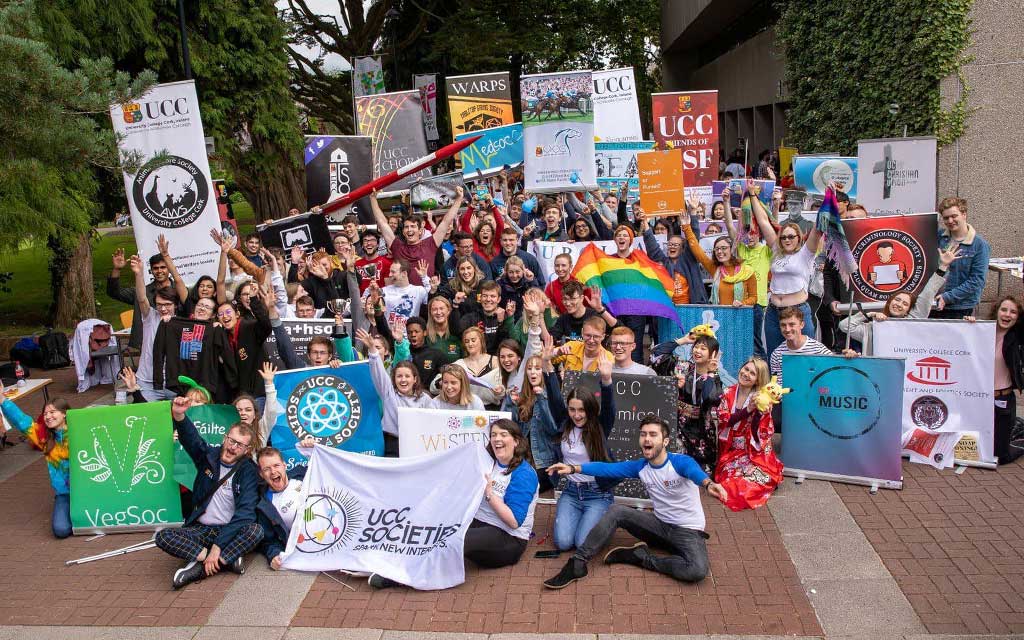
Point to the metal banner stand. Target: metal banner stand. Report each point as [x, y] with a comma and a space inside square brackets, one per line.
[141, 546]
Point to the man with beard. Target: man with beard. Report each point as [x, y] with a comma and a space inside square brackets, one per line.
[412, 246]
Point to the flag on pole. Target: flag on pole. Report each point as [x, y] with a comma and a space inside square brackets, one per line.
[635, 285]
[831, 227]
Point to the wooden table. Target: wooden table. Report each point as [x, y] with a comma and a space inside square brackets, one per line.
[31, 386]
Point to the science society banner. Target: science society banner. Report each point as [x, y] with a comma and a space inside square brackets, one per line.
[335, 165]
[394, 122]
[688, 120]
[558, 128]
[947, 382]
[812, 174]
[497, 148]
[339, 407]
[897, 175]
[429, 431]
[402, 518]
[893, 254]
[480, 101]
[172, 194]
[616, 110]
[843, 417]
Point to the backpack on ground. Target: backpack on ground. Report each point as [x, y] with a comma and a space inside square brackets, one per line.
[54, 345]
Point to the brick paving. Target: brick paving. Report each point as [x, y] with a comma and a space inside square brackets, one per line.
[954, 544]
[753, 589]
[132, 590]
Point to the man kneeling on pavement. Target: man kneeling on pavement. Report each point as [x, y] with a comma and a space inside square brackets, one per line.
[222, 527]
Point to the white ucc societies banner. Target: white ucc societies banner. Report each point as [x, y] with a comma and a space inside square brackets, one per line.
[172, 194]
[947, 385]
[402, 518]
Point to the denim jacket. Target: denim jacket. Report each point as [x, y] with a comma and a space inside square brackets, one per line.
[542, 427]
[965, 280]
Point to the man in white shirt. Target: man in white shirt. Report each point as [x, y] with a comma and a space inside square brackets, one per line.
[622, 342]
[791, 324]
[673, 482]
[402, 299]
[280, 496]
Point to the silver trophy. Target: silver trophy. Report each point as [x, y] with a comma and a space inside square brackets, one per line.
[339, 307]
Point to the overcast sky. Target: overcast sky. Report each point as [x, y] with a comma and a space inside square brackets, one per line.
[324, 7]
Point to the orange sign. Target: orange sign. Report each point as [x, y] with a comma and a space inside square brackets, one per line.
[661, 182]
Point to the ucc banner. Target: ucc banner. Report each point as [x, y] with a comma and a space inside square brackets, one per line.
[172, 193]
[498, 146]
[558, 127]
[545, 252]
[212, 421]
[616, 111]
[842, 419]
[812, 173]
[635, 397]
[897, 175]
[661, 182]
[339, 407]
[394, 121]
[478, 102]
[893, 254]
[429, 431]
[689, 121]
[615, 163]
[402, 518]
[947, 384]
[121, 459]
[335, 165]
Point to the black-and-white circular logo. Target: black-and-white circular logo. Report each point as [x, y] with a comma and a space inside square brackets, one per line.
[170, 192]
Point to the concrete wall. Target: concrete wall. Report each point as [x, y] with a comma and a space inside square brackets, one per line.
[745, 76]
[984, 166]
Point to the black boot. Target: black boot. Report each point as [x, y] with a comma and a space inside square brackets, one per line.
[573, 570]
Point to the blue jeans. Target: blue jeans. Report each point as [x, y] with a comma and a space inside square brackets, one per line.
[772, 333]
[579, 508]
[61, 521]
[759, 332]
[155, 395]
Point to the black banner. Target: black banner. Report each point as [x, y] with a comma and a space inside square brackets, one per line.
[301, 331]
[635, 397]
[308, 231]
[335, 165]
[894, 254]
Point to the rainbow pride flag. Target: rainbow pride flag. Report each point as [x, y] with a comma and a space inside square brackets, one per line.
[636, 285]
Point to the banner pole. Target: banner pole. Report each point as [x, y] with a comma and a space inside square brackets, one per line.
[849, 316]
[141, 546]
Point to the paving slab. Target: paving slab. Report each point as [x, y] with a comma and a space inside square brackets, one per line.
[96, 633]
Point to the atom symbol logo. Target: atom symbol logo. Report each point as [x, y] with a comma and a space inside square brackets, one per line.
[324, 412]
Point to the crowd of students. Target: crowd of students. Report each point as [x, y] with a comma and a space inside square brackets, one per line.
[454, 313]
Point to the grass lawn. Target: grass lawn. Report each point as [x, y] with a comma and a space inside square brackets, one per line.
[24, 311]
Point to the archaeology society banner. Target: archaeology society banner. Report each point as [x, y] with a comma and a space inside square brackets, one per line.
[558, 127]
[947, 383]
[394, 122]
[478, 102]
[171, 194]
[616, 110]
[335, 165]
[429, 431]
[689, 121]
[402, 518]
[897, 175]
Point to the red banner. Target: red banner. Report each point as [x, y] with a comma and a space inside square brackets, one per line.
[689, 121]
[893, 253]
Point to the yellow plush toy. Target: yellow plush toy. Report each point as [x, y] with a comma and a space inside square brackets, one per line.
[770, 394]
[702, 330]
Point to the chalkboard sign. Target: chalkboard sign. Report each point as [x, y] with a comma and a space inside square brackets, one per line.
[301, 332]
[121, 461]
[635, 397]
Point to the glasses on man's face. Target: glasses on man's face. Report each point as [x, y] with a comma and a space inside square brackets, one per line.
[231, 443]
[621, 345]
[166, 305]
[591, 338]
[675, 245]
[319, 352]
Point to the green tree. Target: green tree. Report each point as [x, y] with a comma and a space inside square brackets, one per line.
[51, 144]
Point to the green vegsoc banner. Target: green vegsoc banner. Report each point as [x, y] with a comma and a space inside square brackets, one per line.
[212, 421]
[121, 461]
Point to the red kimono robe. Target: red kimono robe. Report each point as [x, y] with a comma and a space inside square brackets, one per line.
[747, 465]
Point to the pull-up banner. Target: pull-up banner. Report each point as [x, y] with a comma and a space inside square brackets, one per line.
[615, 164]
[497, 147]
[616, 111]
[335, 165]
[842, 419]
[947, 384]
[894, 254]
[558, 127]
[430, 431]
[897, 175]
[689, 121]
[172, 194]
[427, 86]
[478, 102]
[121, 461]
[394, 121]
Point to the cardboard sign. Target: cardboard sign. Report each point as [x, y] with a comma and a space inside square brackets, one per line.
[661, 182]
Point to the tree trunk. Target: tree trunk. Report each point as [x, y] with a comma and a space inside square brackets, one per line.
[270, 190]
[71, 281]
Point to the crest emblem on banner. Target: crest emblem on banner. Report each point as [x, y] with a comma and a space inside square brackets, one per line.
[929, 412]
[326, 407]
[685, 104]
[170, 192]
[888, 261]
[132, 112]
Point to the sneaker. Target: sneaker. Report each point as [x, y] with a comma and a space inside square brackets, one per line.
[237, 566]
[573, 570]
[378, 581]
[191, 572]
[633, 554]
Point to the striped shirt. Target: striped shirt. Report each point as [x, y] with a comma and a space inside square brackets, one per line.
[811, 347]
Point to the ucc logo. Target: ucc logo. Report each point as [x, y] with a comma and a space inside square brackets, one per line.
[931, 370]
